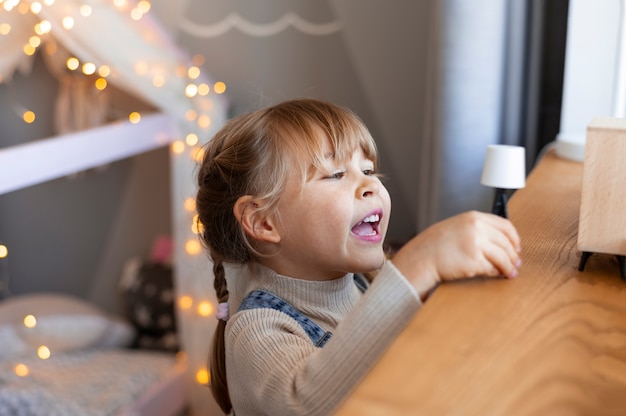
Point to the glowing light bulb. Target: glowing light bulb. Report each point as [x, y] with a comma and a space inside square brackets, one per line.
[43, 27]
[191, 139]
[101, 84]
[4, 251]
[178, 147]
[5, 28]
[30, 321]
[68, 22]
[144, 6]
[89, 68]
[191, 90]
[202, 376]
[29, 49]
[72, 63]
[203, 89]
[28, 116]
[158, 81]
[23, 8]
[204, 121]
[21, 370]
[136, 14]
[190, 204]
[185, 302]
[104, 71]
[134, 117]
[198, 154]
[35, 7]
[219, 87]
[205, 309]
[43, 352]
[193, 72]
[10, 4]
[193, 247]
[34, 41]
[85, 10]
[196, 225]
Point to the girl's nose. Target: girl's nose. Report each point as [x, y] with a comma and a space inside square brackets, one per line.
[368, 187]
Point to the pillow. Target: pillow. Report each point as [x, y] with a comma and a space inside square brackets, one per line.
[63, 323]
[11, 345]
[119, 333]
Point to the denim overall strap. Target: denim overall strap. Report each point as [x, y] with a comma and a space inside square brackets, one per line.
[360, 282]
[263, 299]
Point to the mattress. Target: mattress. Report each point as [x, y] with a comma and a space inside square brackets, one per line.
[95, 382]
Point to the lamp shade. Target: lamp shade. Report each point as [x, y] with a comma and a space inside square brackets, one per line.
[505, 167]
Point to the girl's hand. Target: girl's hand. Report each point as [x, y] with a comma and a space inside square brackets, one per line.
[467, 245]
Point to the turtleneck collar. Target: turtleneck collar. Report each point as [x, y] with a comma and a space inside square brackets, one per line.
[309, 296]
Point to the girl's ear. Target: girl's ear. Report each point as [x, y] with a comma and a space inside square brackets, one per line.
[254, 220]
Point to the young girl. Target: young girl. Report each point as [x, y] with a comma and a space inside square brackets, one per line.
[291, 203]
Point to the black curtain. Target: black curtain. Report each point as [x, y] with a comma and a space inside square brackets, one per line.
[546, 32]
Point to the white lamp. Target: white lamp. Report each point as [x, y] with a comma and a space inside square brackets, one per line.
[504, 168]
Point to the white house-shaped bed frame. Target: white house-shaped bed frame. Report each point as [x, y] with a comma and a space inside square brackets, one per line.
[145, 62]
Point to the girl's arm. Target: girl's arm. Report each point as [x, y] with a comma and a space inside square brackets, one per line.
[273, 368]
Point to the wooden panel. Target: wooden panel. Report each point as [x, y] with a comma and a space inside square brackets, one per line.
[602, 225]
[551, 342]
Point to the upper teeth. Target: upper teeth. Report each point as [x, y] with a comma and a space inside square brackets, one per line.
[372, 218]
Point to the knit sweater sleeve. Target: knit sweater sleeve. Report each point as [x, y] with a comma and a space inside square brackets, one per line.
[273, 368]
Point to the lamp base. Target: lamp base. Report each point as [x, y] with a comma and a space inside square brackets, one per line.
[499, 203]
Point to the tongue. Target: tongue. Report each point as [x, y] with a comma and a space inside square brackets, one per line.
[363, 228]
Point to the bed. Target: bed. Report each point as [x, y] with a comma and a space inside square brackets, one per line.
[89, 382]
[90, 369]
[61, 355]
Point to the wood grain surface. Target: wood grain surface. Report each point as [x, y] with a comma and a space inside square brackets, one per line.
[551, 342]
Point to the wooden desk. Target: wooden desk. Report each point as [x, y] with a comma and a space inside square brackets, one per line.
[551, 342]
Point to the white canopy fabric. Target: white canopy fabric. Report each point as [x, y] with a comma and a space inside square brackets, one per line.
[12, 43]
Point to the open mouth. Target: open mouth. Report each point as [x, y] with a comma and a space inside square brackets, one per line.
[368, 226]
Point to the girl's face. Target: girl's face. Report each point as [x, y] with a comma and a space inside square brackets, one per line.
[335, 223]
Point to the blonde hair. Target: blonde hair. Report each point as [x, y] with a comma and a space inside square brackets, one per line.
[254, 154]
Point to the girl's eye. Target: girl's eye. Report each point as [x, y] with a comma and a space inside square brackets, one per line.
[369, 172]
[337, 175]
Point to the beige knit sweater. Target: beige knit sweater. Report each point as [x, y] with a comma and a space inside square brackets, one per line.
[272, 366]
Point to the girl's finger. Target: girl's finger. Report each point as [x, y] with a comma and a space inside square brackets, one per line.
[506, 260]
